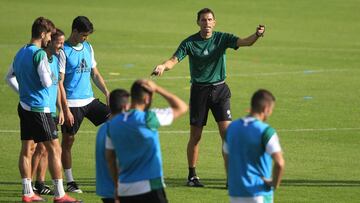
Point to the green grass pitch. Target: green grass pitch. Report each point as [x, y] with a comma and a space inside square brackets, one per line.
[309, 58]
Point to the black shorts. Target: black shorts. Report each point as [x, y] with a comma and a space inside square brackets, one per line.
[205, 97]
[97, 112]
[108, 200]
[155, 196]
[56, 121]
[37, 126]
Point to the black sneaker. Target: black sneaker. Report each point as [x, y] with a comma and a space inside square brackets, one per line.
[194, 182]
[73, 187]
[42, 189]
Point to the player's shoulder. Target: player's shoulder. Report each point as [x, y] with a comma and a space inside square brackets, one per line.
[193, 37]
[39, 54]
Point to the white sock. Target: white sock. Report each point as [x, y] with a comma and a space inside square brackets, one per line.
[58, 188]
[27, 188]
[68, 175]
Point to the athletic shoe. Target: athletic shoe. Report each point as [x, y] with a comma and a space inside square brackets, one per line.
[34, 198]
[73, 187]
[194, 182]
[66, 199]
[42, 189]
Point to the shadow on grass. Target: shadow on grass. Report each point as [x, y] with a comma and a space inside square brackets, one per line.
[320, 183]
[8, 188]
[220, 183]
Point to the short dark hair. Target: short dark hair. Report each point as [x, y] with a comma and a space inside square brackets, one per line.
[260, 99]
[57, 34]
[138, 91]
[118, 99]
[82, 24]
[203, 11]
[41, 25]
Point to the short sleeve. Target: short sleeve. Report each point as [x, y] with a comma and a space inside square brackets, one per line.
[62, 61]
[151, 120]
[93, 61]
[270, 141]
[108, 143]
[230, 41]
[41, 63]
[273, 145]
[165, 116]
[226, 148]
[181, 51]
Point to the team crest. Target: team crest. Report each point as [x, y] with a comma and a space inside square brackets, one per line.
[206, 52]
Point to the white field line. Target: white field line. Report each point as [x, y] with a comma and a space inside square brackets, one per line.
[349, 48]
[215, 131]
[238, 75]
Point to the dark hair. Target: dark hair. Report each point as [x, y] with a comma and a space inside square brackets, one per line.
[203, 11]
[41, 25]
[82, 24]
[57, 34]
[261, 99]
[52, 26]
[138, 91]
[118, 99]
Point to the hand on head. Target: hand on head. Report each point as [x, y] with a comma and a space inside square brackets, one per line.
[149, 85]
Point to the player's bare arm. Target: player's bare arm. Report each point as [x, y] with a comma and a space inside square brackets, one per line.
[111, 161]
[100, 83]
[167, 65]
[59, 107]
[68, 117]
[178, 106]
[278, 170]
[250, 40]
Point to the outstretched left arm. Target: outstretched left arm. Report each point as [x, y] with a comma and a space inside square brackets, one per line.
[250, 40]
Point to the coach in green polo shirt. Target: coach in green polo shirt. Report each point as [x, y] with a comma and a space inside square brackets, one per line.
[207, 59]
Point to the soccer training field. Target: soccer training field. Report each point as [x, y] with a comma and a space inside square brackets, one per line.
[309, 58]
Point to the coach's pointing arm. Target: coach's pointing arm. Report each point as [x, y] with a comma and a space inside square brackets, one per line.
[260, 30]
[165, 66]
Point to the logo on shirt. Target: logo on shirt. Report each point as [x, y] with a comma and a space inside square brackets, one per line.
[83, 67]
[228, 113]
[206, 52]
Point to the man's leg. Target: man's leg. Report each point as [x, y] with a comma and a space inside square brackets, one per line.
[66, 145]
[193, 153]
[39, 167]
[66, 157]
[26, 153]
[193, 145]
[222, 126]
[55, 168]
[39, 162]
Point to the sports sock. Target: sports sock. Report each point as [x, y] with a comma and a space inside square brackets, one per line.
[58, 188]
[68, 175]
[27, 189]
[192, 172]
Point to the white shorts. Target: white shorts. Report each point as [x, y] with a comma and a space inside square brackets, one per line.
[257, 199]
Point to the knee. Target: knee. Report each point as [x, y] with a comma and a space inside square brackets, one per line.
[27, 150]
[195, 138]
[67, 141]
[41, 150]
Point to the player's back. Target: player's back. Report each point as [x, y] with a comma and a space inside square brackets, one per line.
[247, 160]
[136, 145]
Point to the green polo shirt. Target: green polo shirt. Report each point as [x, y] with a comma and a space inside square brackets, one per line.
[207, 57]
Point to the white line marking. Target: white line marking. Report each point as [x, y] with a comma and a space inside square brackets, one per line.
[215, 131]
[239, 75]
